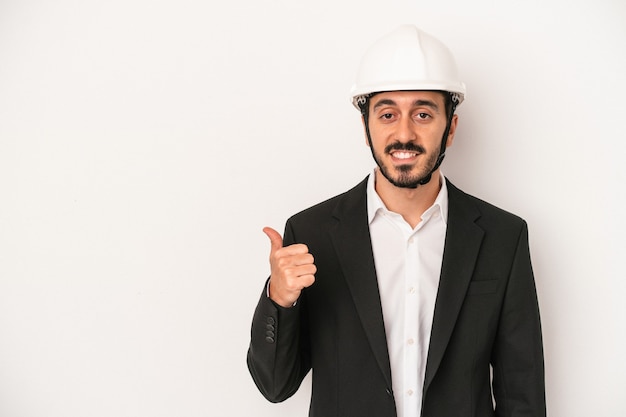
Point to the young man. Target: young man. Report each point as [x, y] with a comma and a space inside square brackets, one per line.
[404, 295]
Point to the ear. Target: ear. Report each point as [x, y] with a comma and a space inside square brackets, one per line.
[453, 124]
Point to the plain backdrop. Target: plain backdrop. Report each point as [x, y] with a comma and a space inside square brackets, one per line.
[144, 144]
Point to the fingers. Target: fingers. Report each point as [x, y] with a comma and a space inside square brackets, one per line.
[293, 273]
[287, 284]
[276, 239]
[291, 257]
[292, 269]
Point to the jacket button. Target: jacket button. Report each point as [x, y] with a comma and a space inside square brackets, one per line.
[269, 339]
[269, 334]
[388, 391]
[269, 327]
[270, 320]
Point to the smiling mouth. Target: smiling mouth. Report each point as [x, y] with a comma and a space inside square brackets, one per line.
[404, 155]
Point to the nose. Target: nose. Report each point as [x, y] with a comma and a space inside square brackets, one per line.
[406, 130]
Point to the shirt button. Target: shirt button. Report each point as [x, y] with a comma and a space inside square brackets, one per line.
[409, 392]
[412, 290]
[411, 241]
[411, 341]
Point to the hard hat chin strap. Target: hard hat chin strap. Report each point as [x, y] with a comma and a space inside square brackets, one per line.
[442, 149]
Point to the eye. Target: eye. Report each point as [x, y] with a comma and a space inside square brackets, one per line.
[386, 117]
[423, 116]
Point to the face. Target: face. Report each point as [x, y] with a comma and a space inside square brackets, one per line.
[406, 129]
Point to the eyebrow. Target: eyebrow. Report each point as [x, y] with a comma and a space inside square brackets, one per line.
[416, 103]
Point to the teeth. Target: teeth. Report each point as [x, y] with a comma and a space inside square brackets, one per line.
[403, 155]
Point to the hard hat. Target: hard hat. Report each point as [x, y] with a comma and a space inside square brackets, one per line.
[407, 59]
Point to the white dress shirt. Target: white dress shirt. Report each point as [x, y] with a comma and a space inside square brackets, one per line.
[408, 266]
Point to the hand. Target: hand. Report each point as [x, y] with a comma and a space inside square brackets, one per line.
[292, 269]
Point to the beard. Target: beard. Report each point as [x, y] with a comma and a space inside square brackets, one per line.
[402, 176]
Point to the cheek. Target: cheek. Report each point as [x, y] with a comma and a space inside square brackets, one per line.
[377, 135]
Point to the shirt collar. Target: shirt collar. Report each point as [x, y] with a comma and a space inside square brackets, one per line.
[376, 205]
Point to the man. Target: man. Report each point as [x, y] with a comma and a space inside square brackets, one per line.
[404, 295]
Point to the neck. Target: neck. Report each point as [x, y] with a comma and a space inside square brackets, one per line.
[410, 203]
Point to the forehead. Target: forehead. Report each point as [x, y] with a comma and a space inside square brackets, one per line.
[404, 98]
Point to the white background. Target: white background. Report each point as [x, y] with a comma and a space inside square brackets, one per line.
[145, 143]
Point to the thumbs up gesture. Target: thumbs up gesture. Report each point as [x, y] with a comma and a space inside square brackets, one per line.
[292, 269]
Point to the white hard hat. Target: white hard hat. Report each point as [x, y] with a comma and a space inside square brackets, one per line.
[407, 59]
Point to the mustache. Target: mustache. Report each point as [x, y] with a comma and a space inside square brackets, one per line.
[410, 146]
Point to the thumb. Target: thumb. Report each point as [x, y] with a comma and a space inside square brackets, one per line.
[275, 238]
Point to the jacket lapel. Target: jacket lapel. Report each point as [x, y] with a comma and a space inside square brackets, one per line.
[463, 239]
[351, 239]
[352, 243]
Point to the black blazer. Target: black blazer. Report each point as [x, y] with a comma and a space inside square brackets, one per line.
[486, 313]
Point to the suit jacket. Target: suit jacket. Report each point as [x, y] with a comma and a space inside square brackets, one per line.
[485, 338]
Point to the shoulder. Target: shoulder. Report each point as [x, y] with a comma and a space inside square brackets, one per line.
[485, 213]
[334, 206]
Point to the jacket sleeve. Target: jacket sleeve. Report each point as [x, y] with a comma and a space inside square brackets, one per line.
[517, 358]
[278, 356]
